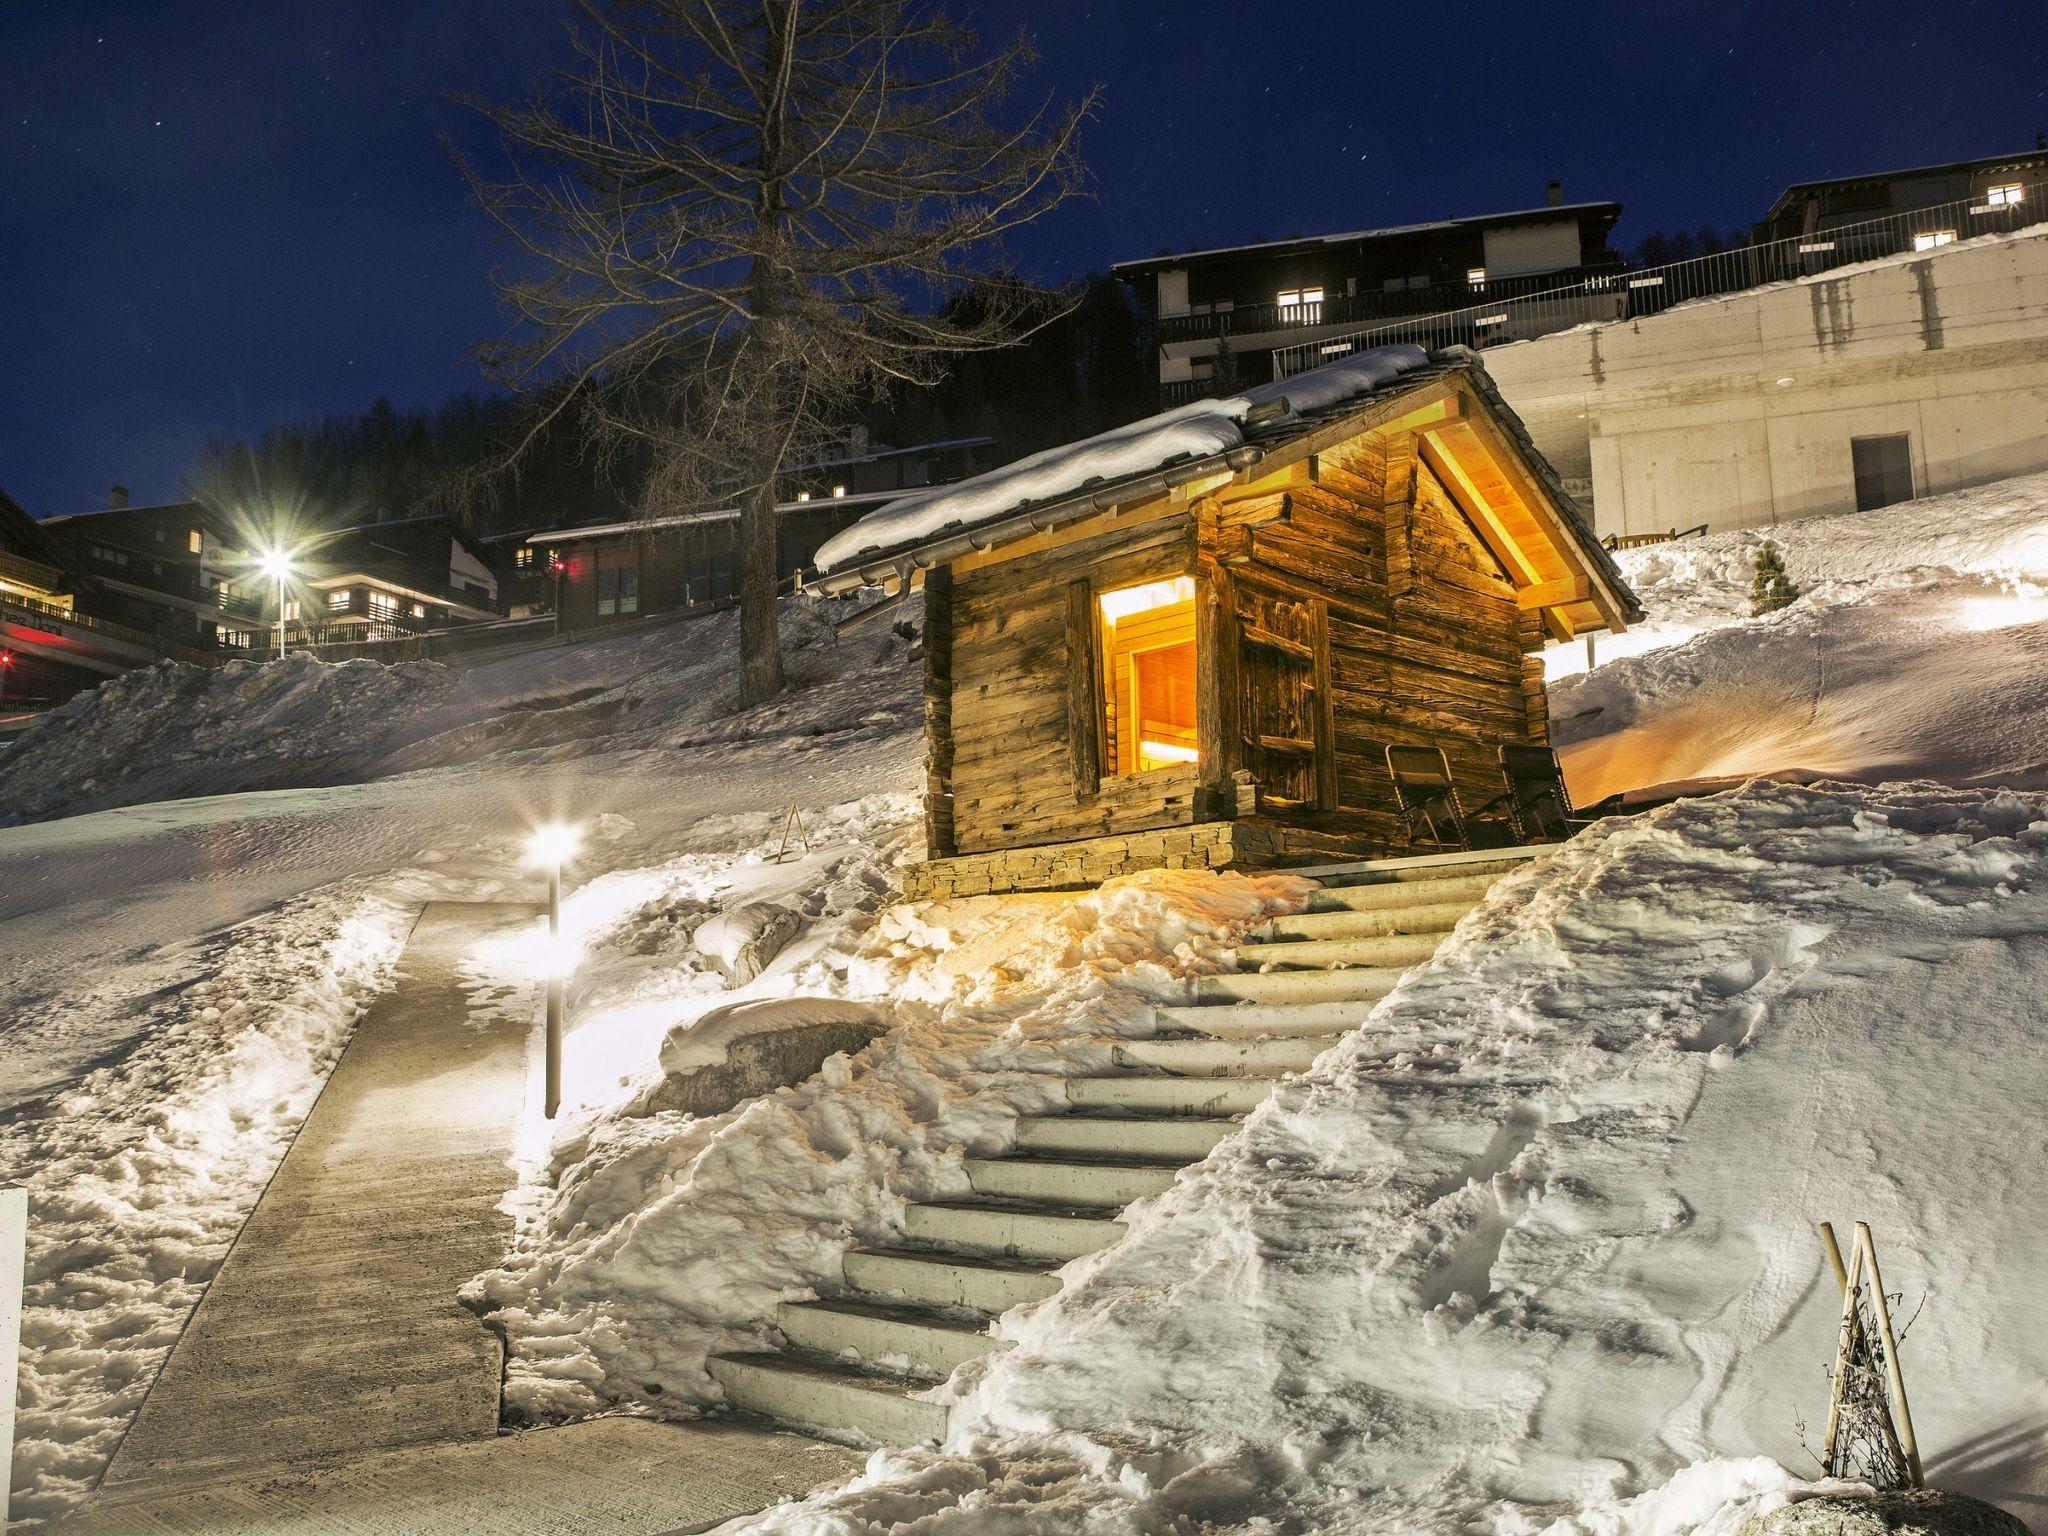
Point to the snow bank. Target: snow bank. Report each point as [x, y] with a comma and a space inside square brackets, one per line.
[649, 1241]
[173, 729]
[1189, 431]
[1859, 678]
[139, 1173]
[1534, 1249]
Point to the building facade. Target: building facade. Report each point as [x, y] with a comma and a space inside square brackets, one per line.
[1984, 187]
[1219, 314]
[1908, 376]
[175, 569]
[611, 573]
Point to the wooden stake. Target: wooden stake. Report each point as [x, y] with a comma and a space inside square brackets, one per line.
[1845, 1345]
[797, 821]
[1894, 1378]
[1827, 1237]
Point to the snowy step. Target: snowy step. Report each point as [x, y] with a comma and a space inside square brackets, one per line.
[1207, 1057]
[1170, 1095]
[1185, 1140]
[829, 1397]
[947, 1280]
[1012, 1230]
[1401, 895]
[1252, 1021]
[1399, 949]
[1105, 1184]
[1437, 918]
[885, 1338]
[1424, 866]
[1363, 983]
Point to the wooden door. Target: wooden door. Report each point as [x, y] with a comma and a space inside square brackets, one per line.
[1284, 704]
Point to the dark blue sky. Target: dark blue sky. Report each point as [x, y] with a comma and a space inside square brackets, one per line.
[217, 214]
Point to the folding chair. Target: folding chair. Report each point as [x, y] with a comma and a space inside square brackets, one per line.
[1536, 800]
[1430, 812]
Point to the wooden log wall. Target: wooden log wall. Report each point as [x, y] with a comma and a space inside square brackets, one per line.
[1366, 612]
[1025, 691]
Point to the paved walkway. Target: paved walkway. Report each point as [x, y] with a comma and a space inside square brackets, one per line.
[331, 1332]
[621, 1477]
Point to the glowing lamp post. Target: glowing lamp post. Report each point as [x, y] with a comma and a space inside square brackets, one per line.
[6, 661]
[551, 847]
[277, 563]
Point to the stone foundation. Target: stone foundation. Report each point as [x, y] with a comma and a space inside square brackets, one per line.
[1089, 862]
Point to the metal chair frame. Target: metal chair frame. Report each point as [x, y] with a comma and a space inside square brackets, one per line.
[1439, 801]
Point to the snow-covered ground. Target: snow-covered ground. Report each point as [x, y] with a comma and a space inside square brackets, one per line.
[1532, 1251]
[1917, 648]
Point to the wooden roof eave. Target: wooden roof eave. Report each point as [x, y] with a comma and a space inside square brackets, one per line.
[1558, 530]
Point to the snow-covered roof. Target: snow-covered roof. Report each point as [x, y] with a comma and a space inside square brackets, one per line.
[691, 519]
[1147, 457]
[1187, 434]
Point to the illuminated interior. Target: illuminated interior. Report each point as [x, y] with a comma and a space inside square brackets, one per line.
[1148, 674]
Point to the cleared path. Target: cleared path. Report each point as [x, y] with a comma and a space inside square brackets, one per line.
[621, 1477]
[329, 1381]
[332, 1326]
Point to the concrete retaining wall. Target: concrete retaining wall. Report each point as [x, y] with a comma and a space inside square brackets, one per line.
[1738, 412]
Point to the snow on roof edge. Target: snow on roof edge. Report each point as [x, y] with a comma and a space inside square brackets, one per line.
[1197, 430]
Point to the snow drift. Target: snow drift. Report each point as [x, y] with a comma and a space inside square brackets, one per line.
[1534, 1248]
[1919, 647]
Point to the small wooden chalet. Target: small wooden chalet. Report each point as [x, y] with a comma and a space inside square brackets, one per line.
[1190, 641]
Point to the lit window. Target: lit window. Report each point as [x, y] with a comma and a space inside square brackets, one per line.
[419, 610]
[838, 490]
[383, 605]
[1148, 674]
[1476, 276]
[803, 495]
[337, 600]
[522, 558]
[1298, 300]
[1932, 238]
[195, 543]
[291, 610]
[2005, 196]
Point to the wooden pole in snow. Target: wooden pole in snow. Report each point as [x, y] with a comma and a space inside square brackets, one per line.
[1894, 1378]
[13, 1249]
[1845, 1345]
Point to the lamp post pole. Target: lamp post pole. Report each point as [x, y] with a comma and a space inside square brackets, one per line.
[280, 613]
[554, 1083]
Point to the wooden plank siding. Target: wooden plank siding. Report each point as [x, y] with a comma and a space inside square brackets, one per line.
[1026, 693]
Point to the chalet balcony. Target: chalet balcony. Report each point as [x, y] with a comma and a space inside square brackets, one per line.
[1365, 308]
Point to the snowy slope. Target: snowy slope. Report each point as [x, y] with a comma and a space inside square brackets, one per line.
[176, 976]
[1534, 1249]
[1919, 647]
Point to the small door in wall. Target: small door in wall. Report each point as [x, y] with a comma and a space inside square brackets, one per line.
[1284, 697]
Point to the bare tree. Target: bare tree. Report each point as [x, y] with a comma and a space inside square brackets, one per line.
[741, 219]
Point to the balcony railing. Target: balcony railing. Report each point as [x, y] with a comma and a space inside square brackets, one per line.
[1361, 308]
[1608, 297]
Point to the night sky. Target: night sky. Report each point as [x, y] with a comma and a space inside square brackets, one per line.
[219, 214]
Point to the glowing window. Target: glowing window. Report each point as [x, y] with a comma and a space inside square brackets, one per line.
[2006, 196]
[337, 600]
[291, 610]
[1476, 276]
[383, 605]
[1299, 298]
[1148, 675]
[522, 557]
[194, 543]
[838, 490]
[803, 495]
[1932, 238]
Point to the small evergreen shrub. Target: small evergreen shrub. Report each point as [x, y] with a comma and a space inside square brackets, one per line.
[1772, 588]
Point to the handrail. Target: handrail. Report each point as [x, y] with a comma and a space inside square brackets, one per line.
[1633, 293]
[1615, 541]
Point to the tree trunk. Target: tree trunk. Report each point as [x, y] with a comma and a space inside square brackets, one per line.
[760, 640]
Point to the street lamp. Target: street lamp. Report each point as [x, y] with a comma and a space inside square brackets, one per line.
[277, 563]
[551, 847]
[6, 661]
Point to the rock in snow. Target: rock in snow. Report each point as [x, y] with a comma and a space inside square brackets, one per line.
[1908, 1512]
[742, 941]
[743, 1050]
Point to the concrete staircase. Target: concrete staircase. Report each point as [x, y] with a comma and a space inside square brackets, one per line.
[853, 1366]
